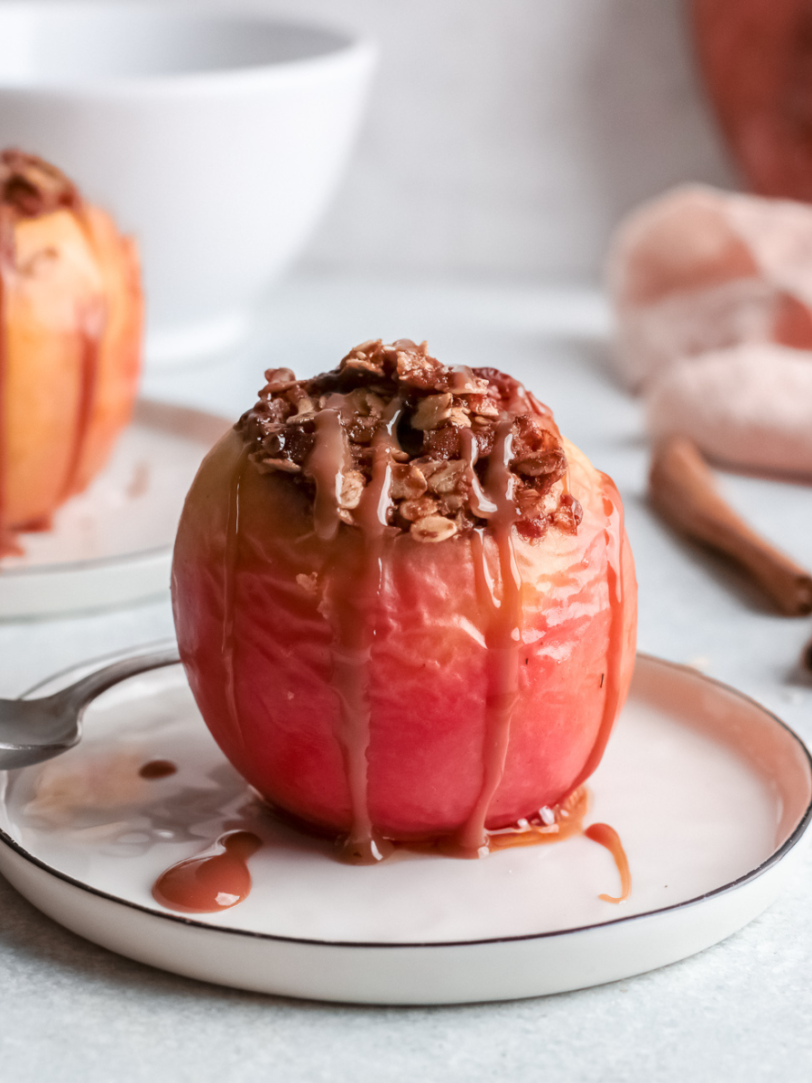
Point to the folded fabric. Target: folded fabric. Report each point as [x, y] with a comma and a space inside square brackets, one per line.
[699, 269]
[748, 406]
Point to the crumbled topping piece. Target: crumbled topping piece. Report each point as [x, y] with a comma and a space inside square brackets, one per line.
[433, 416]
[433, 528]
[31, 186]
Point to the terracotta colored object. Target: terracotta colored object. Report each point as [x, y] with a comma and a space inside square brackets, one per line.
[756, 59]
[432, 642]
[682, 489]
[699, 269]
[70, 341]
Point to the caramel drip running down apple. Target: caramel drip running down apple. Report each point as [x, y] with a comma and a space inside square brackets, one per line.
[92, 328]
[232, 549]
[355, 587]
[503, 633]
[327, 463]
[615, 539]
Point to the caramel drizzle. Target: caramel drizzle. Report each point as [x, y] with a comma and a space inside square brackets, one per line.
[356, 590]
[229, 642]
[91, 329]
[615, 542]
[357, 587]
[607, 837]
[214, 880]
[503, 633]
[326, 465]
[567, 817]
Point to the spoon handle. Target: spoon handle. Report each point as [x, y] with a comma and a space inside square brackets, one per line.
[79, 695]
[35, 730]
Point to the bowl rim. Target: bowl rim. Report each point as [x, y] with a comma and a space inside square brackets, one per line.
[352, 49]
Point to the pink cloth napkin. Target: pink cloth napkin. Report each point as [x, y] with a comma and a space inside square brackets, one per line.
[713, 298]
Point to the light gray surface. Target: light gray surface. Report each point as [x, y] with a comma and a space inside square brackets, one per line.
[71, 1011]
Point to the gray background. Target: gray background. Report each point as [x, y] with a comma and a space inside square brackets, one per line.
[506, 137]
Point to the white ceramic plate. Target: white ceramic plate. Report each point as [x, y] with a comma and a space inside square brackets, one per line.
[112, 544]
[709, 792]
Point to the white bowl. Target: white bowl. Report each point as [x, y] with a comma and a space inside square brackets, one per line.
[216, 139]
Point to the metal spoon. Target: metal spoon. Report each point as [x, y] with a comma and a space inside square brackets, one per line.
[33, 730]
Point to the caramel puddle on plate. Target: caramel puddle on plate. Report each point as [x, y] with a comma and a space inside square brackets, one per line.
[158, 769]
[557, 824]
[606, 836]
[214, 880]
[218, 878]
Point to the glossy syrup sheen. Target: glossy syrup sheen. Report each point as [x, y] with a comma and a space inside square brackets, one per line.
[214, 880]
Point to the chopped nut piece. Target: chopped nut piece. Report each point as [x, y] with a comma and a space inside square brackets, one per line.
[458, 416]
[483, 406]
[352, 486]
[360, 364]
[418, 509]
[452, 502]
[434, 528]
[417, 369]
[447, 477]
[361, 430]
[266, 466]
[462, 381]
[408, 482]
[370, 404]
[365, 347]
[542, 464]
[278, 380]
[431, 412]
[301, 400]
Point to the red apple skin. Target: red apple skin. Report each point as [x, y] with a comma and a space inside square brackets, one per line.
[428, 671]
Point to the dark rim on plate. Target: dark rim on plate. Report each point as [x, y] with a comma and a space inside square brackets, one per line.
[723, 889]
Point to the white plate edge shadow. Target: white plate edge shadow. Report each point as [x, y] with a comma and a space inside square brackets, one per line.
[441, 972]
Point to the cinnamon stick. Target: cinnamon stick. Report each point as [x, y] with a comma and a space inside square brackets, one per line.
[683, 490]
[806, 656]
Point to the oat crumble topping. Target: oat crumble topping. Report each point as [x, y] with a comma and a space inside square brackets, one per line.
[442, 414]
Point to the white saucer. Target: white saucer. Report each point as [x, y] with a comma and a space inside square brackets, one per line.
[112, 544]
[709, 792]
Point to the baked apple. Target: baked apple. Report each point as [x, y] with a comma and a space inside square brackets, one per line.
[405, 603]
[70, 340]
